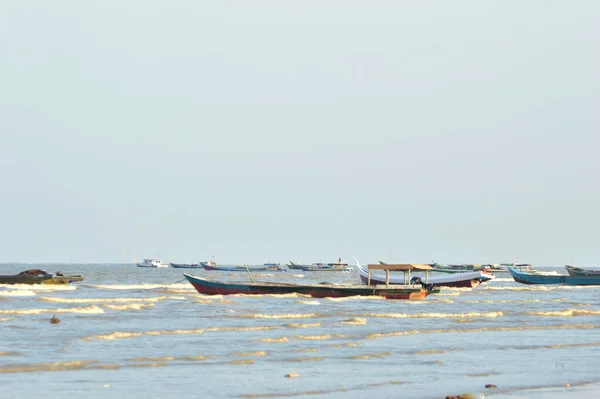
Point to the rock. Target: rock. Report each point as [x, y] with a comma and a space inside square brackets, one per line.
[54, 319]
[490, 386]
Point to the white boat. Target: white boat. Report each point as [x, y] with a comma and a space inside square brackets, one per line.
[151, 263]
[465, 279]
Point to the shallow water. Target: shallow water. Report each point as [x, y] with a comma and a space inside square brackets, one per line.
[140, 332]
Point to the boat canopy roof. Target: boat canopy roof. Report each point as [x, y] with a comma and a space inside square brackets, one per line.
[400, 266]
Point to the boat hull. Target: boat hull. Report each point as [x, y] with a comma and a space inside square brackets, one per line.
[241, 269]
[532, 278]
[210, 287]
[470, 283]
[186, 265]
[578, 272]
[39, 279]
[464, 280]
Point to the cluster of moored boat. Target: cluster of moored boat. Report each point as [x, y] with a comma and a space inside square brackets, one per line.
[374, 282]
[270, 267]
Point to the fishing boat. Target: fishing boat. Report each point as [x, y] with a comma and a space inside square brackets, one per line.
[186, 265]
[37, 276]
[150, 263]
[415, 291]
[265, 268]
[320, 267]
[465, 279]
[578, 272]
[528, 277]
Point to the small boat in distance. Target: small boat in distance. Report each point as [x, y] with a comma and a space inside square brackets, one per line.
[579, 272]
[408, 291]
[267, 267]
[186, 265]
[37, 276]
[527, 277]
[150, 263]
[320, 267]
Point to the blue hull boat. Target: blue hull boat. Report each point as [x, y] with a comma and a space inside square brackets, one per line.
[536, 278]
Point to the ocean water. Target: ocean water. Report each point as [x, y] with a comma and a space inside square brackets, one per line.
[143, 333]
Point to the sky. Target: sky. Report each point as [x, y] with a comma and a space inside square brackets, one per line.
[257, 131]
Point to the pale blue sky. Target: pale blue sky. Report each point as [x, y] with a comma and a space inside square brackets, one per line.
[463, 131]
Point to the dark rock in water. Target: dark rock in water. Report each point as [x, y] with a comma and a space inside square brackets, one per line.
[462, 396]
[490, 386]
[54, 319]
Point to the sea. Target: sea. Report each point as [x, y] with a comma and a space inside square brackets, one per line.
[131, 332]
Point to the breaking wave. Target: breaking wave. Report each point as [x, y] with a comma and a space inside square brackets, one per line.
[277, 316]
[567, 313]
[131, 306]
[109, 300]
[92, 309]
[181, 286]
[371, 355]
[435, 315]
[40, 287]
[482, 329]
[17, 293]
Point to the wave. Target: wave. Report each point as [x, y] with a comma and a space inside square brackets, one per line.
[51, 366]
[303, 359]
[567, 313]
[92, 309]
[371, 355]
[245, 361]
[257, 353]
[482, 329]
[277, 316]
[305, 350]
[308, 302]
[434, 315]
[115, 335]
[40, 287]
[300, 325]
[357, 298]
[525, 287]
[5, 318]
[131, 306]
[185, 286]
[359, 321]
[278, 340]
[109, 300]
[314, 393]
[17, 293]
[168, 359]
[318, 337]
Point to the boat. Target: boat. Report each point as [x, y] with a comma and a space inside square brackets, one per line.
[414, 291]
[265, 268]
[186, 265]
[320, 267]
[150, 263]
[528, 277]
[578, 272]
[465, 279]
[37, 276]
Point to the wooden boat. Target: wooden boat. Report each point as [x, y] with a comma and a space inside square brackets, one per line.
[150, 263]
[578, 272]
[186, 265]
[392, 291]
[36, 276]
[320, 267]
[464, 279]
[527, 277]
[274, 268]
